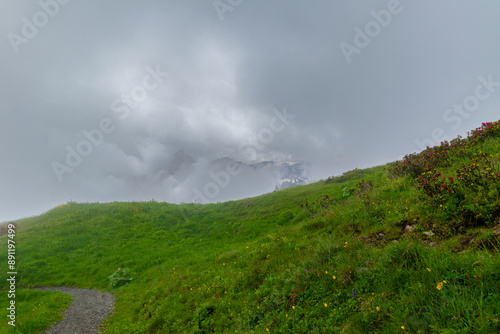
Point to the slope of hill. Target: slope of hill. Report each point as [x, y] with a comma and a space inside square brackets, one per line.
[411, 246]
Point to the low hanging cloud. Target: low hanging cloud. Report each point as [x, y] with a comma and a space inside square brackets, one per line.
[122, 88]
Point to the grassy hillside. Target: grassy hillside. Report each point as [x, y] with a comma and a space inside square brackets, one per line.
[409, 247]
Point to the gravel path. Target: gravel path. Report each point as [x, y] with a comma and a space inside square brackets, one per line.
[87, 311]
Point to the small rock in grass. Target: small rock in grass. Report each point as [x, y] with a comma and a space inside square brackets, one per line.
[409, 228]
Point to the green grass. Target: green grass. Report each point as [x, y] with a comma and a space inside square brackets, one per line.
[35, 310]
[331, 257]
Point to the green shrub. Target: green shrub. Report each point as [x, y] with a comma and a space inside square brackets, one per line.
[120, 277]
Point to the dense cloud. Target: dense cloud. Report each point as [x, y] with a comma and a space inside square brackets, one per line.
[365, 82]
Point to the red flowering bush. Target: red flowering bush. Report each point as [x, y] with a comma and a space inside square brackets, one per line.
[487, 130]
[437, 187]
[473, 194]
[416, 164]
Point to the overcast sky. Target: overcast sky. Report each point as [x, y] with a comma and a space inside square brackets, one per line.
[341, 84]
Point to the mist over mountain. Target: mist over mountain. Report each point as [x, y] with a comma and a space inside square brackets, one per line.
[287, 173]
[187, 179]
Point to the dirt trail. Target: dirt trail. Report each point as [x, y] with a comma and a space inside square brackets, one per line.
[87, 311]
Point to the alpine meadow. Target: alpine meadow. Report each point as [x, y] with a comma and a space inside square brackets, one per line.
[411, 246]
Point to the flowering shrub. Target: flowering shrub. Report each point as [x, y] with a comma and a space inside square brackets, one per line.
[473, 194]
[480, 173]
[487, 130]
[468, 194]
[416, 164]
[481, 188]
[437, 187]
